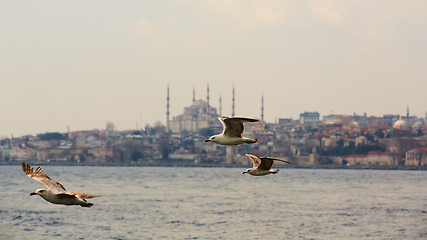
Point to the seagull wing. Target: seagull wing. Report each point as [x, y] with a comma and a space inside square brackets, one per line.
[63, 196]
[255, 159]
[233, 127]
[40, 176]
[268, 162]
[82, 195]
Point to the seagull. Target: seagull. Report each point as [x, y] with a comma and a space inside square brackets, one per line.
[232, 132]
[56, 192]
[262, 165]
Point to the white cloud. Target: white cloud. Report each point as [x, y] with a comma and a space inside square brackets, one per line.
[363, 51]
[161, 35]
[193, 40]
[156, 35]
[149, 29]
[252, 13]
[330, 11]
[366, 20]
[372, 28]
[369, 30]
[145, 28]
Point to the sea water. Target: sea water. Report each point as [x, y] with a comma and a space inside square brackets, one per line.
[217, 203]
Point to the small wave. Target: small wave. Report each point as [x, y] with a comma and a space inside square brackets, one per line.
[350, 224]
[104, 228]
[220, 222]
[175, 222]
[55, 223]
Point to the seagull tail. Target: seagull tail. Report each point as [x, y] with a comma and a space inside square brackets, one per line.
[86, 204]
[274, 171]
[253, 141]
[83, 195]
[90, 196]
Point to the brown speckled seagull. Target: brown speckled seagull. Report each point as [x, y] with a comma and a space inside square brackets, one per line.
[232, 132]
[56, 193]
[262, 165]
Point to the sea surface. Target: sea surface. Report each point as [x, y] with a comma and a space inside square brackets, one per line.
[217, 203]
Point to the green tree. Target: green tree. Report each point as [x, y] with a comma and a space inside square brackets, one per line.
[137, 156]
[163, 147]
[379, 134]
[364, 149]
[369, 137]
[51, 136]
[82, 157]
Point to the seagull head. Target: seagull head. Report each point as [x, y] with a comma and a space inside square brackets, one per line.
[39, 192]
[247, 170]
[212, 139]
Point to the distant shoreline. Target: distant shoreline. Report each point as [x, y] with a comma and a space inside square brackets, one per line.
[206, 165]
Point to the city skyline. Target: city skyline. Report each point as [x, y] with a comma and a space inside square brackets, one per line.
[140, 126]
[82, 65]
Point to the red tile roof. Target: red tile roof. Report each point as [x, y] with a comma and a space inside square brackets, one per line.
[382, 153]
[357, 156]
[374, 152]
[422, 148]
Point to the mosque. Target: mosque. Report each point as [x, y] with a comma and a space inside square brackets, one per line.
[200, 114]
[409, 122]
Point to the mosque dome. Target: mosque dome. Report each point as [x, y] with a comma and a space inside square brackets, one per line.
[418, 125]
[199, 104]
[400, 124]
[352, 124]
[355, 125]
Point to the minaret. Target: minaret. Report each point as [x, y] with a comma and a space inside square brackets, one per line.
[194, 94]
[232, 106]
[262, 108]
[167, 111]
[207, 107]
[220, 107]
[407, 112]
[207, 98]
[229, 151]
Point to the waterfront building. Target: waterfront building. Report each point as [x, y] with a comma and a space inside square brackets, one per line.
[416, 157]
[383, 158]
[309, 117]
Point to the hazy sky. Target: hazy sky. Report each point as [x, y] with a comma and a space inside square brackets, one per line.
[83, 63]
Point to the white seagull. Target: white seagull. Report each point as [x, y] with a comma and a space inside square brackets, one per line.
[56, 192]
[262, 165]
[232, 132]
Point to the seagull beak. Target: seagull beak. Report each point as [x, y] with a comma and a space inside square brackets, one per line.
[33, 193]
[243, 172]
[207, 140]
